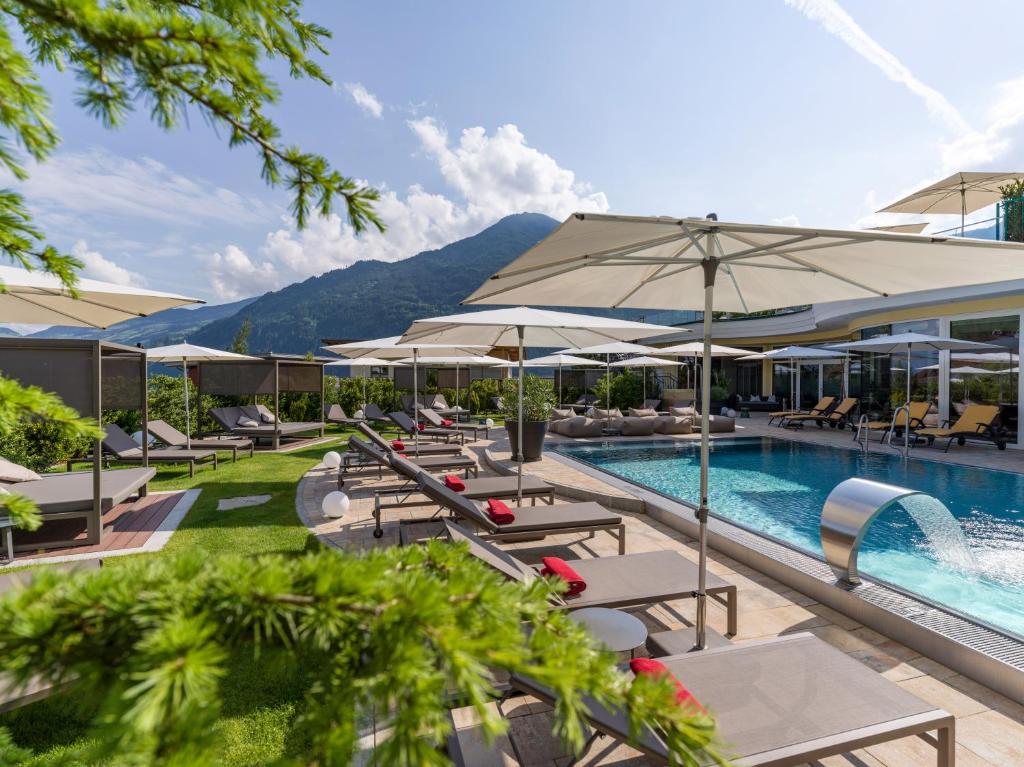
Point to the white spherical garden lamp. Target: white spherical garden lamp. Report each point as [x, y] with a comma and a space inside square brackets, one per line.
[332, 459]
[335, 504]
[489, 423]
[358, 415]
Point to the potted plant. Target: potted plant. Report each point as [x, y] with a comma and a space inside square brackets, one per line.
[538, 399]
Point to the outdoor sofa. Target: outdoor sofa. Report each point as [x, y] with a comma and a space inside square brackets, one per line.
[717, 424]
[758, 403]
[576, 427]
[780, 702]
[171, 437]
[258, 422]
[70, 496]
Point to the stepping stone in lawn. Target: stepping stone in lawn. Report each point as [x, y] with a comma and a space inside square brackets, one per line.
[227, 504]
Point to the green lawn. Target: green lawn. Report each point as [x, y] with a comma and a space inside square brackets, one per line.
[259, 697]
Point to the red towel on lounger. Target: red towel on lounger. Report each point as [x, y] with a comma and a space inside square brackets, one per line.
[447, 422]
[453, 482]
[421, 426]
[398, 445]
[655, 668]
[560, 568]
[499, 513]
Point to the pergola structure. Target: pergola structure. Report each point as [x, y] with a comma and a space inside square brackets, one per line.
[268, 374]
[90, 376]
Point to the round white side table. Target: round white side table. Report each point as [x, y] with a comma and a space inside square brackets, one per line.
[617, 630]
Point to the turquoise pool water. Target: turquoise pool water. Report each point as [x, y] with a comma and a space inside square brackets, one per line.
[777, 487]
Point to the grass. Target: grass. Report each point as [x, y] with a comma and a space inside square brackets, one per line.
[260, 697]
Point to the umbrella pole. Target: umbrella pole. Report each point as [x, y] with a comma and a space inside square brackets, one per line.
[519, 423]
[710, 265]
[184, 382]
[608, 389]
[908, 376]
[643, 372]
[457, 408]
[415, 403]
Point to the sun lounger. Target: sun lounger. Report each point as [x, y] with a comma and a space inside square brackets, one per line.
[918, 410]
[820, 409]
[782, 702]
[586, 517]
[120, 445]
[476, 489]
[408, 426]
[628, 580]
[413, 449]
[369, 455]
[439, 405]
[171, 437]
[434, 419]
[240, 420]
[582, 403]
[70, 496]
[336, 414]
[978, 422]
[837, 417]
[372, 412]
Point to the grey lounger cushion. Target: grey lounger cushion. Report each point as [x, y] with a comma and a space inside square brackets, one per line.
[72, 491]
[431, 417]
[425, 463]
[411, 449]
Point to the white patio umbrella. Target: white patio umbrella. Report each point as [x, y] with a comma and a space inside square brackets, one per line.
[365, 362]
[482, 360]
[556, 360]
[672, 263]
[794, 355]
[963, 193]
[183, 354]
[643, 362]
[695, 350]
[915, 228]
[608, 349]
[525, 326]
[906, 342]
[36, 298]
[392, 348]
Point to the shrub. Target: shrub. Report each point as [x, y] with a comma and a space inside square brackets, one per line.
[627, 390]
[481, 392]
[38, 445]
[348, 392]
[538, 398]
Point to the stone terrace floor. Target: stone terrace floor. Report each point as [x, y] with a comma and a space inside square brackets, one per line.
[990, 727]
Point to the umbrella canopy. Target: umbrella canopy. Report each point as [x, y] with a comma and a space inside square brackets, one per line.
[541, 327]
[614, 347]
[902, 228]
[644, 362]
[35, 298]
[365, 362]
[997, 357]
[551, 360]
[963, 193]
[906, 342]
[524, 326]
[696, 349]
[673, 263]
[183, 354]
[479, 360]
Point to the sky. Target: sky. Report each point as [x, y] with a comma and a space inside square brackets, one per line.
[809, 112]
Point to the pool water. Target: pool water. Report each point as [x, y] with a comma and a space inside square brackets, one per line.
[778, 487]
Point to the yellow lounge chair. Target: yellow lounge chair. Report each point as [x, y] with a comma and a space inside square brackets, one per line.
[918, 410]
[839, 416]
[820, 409]
[979, 422]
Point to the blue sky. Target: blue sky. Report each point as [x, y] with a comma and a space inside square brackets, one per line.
[806, 111]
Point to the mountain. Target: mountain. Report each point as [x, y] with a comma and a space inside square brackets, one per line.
[8, 333]
[373, 299]
[171, 326]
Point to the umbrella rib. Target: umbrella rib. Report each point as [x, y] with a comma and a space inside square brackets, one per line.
[76, 320]
[620, 250]
[675, 258]
[736, 285]
[756, 250]
[82, 300]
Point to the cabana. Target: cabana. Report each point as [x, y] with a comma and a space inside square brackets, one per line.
[268, 374]
[90, 376]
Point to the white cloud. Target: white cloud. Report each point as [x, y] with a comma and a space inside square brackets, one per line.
[791, 220]
[234, 275]
[99, 267]
[836, 21]
[493, 175]
[365, 100]
[977, 148]
[72, 186]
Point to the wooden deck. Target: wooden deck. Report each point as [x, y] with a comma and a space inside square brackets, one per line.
[126, 526]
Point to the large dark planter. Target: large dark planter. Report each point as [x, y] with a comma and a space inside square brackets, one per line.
[533, 439]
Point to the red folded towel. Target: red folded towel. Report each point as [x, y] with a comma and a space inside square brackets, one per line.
[454, 482]
[499, 513]
[398, 445]
[446, 422]
[421, 426]
[655, 668]
[401, 455]
[559, 567]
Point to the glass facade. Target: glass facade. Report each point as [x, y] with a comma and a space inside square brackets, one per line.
[989, 378]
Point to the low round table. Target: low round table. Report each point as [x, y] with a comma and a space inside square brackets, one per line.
[617, 630]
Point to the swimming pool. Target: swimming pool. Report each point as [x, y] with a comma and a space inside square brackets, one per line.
[777, 488]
